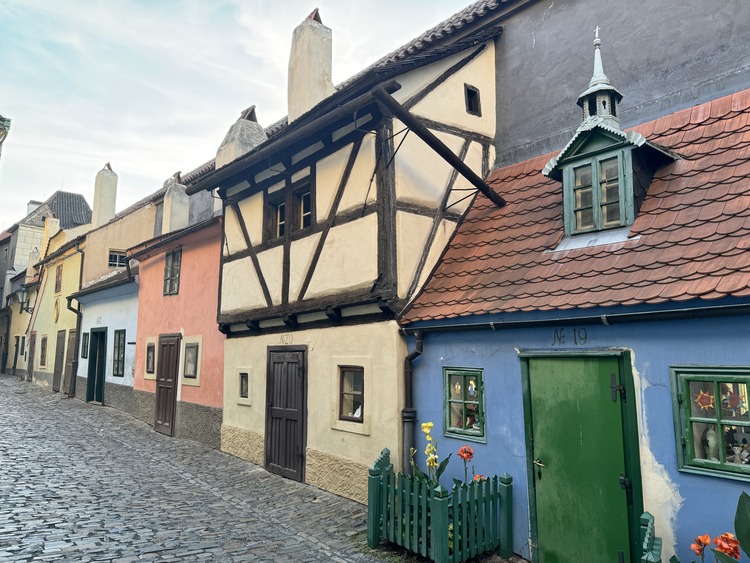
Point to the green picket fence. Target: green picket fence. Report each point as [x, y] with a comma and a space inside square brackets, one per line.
[443, 525]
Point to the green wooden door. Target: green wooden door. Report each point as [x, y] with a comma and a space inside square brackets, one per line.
[577, 443]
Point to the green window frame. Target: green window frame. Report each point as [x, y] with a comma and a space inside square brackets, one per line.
[118, 355]
[595, 198]
[172, 264]
[464, 403]
[712, 420]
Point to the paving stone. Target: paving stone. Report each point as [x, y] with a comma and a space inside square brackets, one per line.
[86, 483]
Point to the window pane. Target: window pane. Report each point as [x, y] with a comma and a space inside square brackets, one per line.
[191, 360]
[705, 441]
[456, 415]
[351, 406]
[734, 402]
[280, 220]
[456, 387]
[352, 393]
[582, 176]
[611, 214]
[584, 219]
[244, 386]
[702, 400]
[610, 192]
[305, 210]
[737, 440]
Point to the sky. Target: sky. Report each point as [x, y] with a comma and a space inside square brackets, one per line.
[152, 86]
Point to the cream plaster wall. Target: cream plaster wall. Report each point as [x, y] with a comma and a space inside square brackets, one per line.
[252, 210]
[19, 323]
[381, 350]
[447, 102]
[421, 174]
[349, 259]
[301, 253]
[328, 173]
[272, 265]
[233, 239]
[120, 234]
[359, 190]
[240, 288]
[462, 187]
[43, 318]
[411, 238]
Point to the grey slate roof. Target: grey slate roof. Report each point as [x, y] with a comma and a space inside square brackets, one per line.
[417, 51]
[71, 209]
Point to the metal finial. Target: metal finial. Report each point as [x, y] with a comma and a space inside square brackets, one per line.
[597, 41]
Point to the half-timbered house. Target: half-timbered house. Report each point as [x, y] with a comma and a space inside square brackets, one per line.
[333, 217]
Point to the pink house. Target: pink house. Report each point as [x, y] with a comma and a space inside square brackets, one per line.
[179, 363]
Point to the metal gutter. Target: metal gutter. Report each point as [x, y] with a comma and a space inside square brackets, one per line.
[79, 315]
[615, 318]
[409, 413]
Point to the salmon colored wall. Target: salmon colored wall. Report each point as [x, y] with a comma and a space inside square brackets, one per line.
[192, 312]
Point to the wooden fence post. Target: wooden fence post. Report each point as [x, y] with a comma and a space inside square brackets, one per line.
[439, 525]
[506, 515]
[374, 496]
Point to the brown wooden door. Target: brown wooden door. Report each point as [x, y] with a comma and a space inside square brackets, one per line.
[286, 411]
[59, 360]
[32, 350]
[166, 383]
[69, 357]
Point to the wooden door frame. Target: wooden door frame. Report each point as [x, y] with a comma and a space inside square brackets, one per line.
[269, 351]
[629, 429]
[92, 366]
[31, 350]
[179, 338]
[58, 349]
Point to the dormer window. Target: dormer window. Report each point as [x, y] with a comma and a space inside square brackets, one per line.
[593, 194]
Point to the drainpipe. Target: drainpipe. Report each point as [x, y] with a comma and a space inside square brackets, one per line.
[77, 312]
[409, 414]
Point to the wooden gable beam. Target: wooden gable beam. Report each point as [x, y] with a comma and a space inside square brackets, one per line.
[436, 144]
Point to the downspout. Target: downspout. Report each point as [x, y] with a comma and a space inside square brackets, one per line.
[79, 315]
[409, 414]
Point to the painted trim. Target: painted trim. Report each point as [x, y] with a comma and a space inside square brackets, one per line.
[191, 381]
[153, 341]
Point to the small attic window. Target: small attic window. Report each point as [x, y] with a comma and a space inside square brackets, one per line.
[473, 104]
[594, 199]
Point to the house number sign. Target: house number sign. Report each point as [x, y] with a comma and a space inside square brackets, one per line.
[286, 338]
[574, 336]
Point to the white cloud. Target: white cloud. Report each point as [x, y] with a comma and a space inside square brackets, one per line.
[153, 87]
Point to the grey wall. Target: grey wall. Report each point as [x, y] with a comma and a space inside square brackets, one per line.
[662, 55]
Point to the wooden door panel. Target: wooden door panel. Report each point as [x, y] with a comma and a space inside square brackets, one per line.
[59, 360]
[32, 350]
[166, 384]
[578, 443]
[69, 357]
[285, 414]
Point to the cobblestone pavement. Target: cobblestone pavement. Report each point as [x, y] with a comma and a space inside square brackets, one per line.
[86, 483]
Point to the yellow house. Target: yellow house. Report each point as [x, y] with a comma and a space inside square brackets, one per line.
[333, 219]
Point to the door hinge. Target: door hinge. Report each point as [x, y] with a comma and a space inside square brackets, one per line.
[680, 398]
[616, 388]
[625, 483]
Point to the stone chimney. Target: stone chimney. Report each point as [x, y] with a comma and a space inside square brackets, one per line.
[176, 210]
[105, 194]
[34, 257]
[32, 206]
[242, 137]
[309, 66]
[51, 228]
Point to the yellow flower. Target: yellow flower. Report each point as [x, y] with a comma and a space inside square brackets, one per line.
[432, 461]
[427, 427]
[430, 449]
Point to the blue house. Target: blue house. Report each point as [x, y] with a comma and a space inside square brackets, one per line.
[591, 336]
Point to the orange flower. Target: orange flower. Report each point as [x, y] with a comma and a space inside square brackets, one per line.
[728, 545]
[479, 477]
[466, 453]
[700, 544]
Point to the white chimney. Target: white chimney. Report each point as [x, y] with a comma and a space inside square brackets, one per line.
[309, 66]
[242, 137]
[34, 257]
[32, 206]
[176, 210]
[105, 194]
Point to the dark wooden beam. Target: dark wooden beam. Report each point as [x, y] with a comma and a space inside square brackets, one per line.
[436, 144]
[253, 325]
[334, 314]
[290, 321]
[253, 256]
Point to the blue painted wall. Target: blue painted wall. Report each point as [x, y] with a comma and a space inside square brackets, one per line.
[709, 502]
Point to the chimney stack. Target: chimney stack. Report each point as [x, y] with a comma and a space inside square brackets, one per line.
[242, 137]
[176, 211]
[32, 206]
[105, 194]
[309, 66]
[51, 228]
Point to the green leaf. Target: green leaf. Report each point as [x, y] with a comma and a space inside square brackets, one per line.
[742, 522]
[723, 557]
[418, 473]
[442, 466]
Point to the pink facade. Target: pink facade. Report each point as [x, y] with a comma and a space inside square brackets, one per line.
[191, 312]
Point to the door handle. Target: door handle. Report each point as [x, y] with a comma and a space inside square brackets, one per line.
[538, 463]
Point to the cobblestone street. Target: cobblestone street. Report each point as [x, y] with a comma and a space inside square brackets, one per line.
[86, 483]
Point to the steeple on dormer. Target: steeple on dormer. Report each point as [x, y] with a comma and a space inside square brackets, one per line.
[601, 100]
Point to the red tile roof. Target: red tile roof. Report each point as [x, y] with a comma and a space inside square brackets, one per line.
[690, 240]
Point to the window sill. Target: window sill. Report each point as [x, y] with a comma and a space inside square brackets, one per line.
[191, 381]
[594, 238]
[468, 437]
[706, 472]
[244, 402]
[361, 428]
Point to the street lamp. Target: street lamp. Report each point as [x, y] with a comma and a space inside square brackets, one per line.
[23, 295]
